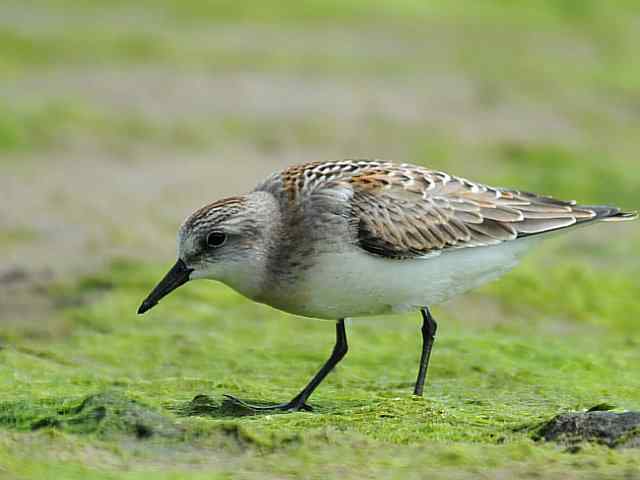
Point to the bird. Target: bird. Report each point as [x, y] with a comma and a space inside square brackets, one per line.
[354, 238]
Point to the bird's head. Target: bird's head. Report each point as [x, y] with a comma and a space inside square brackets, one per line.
[229, 241]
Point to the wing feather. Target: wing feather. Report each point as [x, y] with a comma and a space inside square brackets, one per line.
[403, 211]
[417, 212]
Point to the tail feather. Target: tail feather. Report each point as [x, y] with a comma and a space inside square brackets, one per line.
[622, 217]
[610, 214]
[578, 215]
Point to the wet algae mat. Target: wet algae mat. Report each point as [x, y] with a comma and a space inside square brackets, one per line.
[106, 393]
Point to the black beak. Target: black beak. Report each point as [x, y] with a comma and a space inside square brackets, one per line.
[178, 275]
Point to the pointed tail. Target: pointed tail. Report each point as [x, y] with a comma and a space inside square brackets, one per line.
[610, 214]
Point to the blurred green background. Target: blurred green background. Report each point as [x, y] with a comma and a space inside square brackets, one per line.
[119, 118]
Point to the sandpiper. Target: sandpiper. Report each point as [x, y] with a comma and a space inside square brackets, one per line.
[353, 238]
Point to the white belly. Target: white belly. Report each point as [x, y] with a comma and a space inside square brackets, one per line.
[356, 284]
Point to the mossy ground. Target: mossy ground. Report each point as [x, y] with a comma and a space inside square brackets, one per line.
[493, 380]
[537, 95]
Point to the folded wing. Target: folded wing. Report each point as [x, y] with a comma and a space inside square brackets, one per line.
[407, 211]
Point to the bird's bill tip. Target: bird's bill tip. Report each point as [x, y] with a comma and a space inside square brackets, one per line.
[177, 276]
[146, 306]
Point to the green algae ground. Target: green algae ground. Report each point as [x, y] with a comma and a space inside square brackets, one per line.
[539, 95]
[122, 393]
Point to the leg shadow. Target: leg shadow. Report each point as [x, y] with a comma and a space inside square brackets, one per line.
[206, 406]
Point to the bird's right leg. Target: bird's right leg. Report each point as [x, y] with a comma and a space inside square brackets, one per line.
[429, 328]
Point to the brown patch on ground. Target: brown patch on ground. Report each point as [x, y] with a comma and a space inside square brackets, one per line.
[85, 208]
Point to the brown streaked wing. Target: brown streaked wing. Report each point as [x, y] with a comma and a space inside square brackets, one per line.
[301, 180]
[406, 211]
[410, 211]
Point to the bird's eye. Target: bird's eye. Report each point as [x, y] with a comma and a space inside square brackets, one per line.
[216, 239]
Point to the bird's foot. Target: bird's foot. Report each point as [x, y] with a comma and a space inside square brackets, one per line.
[294, 405]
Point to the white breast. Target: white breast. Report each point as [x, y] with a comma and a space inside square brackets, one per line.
[356, 284]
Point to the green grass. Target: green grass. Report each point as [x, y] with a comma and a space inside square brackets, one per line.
[60, 124]
[12, 237]
[490, 385]
[592, 176]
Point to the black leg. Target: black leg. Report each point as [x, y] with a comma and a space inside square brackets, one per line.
[429, 328]
[299, 401]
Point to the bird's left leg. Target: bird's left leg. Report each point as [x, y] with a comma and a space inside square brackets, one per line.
[299, 401]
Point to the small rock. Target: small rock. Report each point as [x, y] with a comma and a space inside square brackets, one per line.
[13, 275]
[616, 430]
